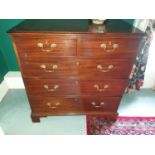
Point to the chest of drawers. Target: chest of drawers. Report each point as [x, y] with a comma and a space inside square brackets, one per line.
[69, 70]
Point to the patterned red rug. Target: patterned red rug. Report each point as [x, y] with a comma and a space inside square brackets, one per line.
[99, 125]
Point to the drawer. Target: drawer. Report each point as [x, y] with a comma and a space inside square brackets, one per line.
[57, 87]
[101, 88]
[117, 48]
[46, 47]
[54, 69]
[104, 104]
[104, 68]
[78, 68]
[54, 87]
[54, 104]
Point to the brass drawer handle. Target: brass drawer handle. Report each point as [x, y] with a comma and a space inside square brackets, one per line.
[46, 49]
[112, 47]
[53, 89]
[77, 63]
[44, 67]
[94, 104]
[99, 89]
[53, 106]
[53, 45]
[101, 68]
[103, 45]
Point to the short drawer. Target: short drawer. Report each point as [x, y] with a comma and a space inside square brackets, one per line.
[53, 69]
[46, 47]
[104, 68]
[54, 104]
[52, 87]
[113, 87]
[104, 104]
[55, 87]
[117, 48]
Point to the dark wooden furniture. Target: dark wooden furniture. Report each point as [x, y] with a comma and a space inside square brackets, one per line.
[69, 68]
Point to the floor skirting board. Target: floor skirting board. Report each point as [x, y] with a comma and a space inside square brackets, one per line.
[3, 89]
[12, 80]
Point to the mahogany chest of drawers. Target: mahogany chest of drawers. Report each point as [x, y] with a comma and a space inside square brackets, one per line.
[68, 69]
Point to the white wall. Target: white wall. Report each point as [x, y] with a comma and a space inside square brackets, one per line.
[149, 80]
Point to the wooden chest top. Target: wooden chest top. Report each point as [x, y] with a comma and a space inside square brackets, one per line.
[74, 26]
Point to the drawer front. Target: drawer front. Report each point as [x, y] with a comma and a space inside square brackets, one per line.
[57, 87]
[105, 68]
[105, 104]
[46, 47]
[54, 105]
[117, 48]
[55, 69]
[81, 69]
[53, 87]
[103, 87]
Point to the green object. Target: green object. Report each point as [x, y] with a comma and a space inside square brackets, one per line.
[6, 44]
[3, 67]
[130, 21]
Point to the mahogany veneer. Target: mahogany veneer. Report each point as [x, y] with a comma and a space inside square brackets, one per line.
[69, 70]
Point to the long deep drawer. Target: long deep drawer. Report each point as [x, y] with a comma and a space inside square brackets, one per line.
[57, 87]
[114, 48]
[81, 69]
[73, 105]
